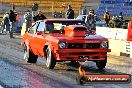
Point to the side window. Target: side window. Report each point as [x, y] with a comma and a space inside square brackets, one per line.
[41, 27]
[34, 27]
[49, 27]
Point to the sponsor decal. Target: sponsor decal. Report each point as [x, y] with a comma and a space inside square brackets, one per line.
[101, 78]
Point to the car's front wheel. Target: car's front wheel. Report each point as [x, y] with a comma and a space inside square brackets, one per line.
[101, 64]
[50, 60]
[29, 56]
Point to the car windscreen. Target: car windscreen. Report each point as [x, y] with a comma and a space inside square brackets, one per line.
[81, 18]
[53, 26]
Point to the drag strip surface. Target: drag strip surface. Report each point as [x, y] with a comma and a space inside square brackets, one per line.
[16, 73]
[14, 76]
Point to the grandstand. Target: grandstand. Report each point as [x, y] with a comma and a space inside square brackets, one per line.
[114, 7]
[47, 6]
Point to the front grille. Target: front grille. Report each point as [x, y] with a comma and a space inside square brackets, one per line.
[75, 45]
[83, 45]
[92, 45]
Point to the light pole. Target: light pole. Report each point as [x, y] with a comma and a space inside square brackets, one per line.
[52, 7]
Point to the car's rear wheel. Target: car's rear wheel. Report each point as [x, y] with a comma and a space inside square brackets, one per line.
[50, 60]
[101, 64]
[29, 56]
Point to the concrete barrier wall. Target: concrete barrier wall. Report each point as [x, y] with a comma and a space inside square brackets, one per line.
[117, 40]
[117, 47]
[112, 33]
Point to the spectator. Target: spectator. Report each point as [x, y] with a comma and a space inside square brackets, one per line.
[28, 19]
[12, 18]
[17, 16]
[107, 18]
[84, 11]
[40, 16]
[90, 21]
[6, 22]
[34, 9]
[13, 7]
[17, 21]
[70, 13]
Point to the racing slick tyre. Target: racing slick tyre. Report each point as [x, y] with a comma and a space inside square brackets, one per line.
[50, 60]
[101, 64]
[29, 56]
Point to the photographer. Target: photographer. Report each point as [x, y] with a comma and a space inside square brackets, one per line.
[12, 18]
[90, 21]
[6, 22]
[107, 18]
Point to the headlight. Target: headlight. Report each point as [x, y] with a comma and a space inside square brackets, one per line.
[62, 45]
[104, 44]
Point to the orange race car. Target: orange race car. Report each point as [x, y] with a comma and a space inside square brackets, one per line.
[60, 40]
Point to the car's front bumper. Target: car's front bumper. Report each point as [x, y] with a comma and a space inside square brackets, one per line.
[81, 54]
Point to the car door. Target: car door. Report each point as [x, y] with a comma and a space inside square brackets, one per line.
[31, 39]
[39, 38]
